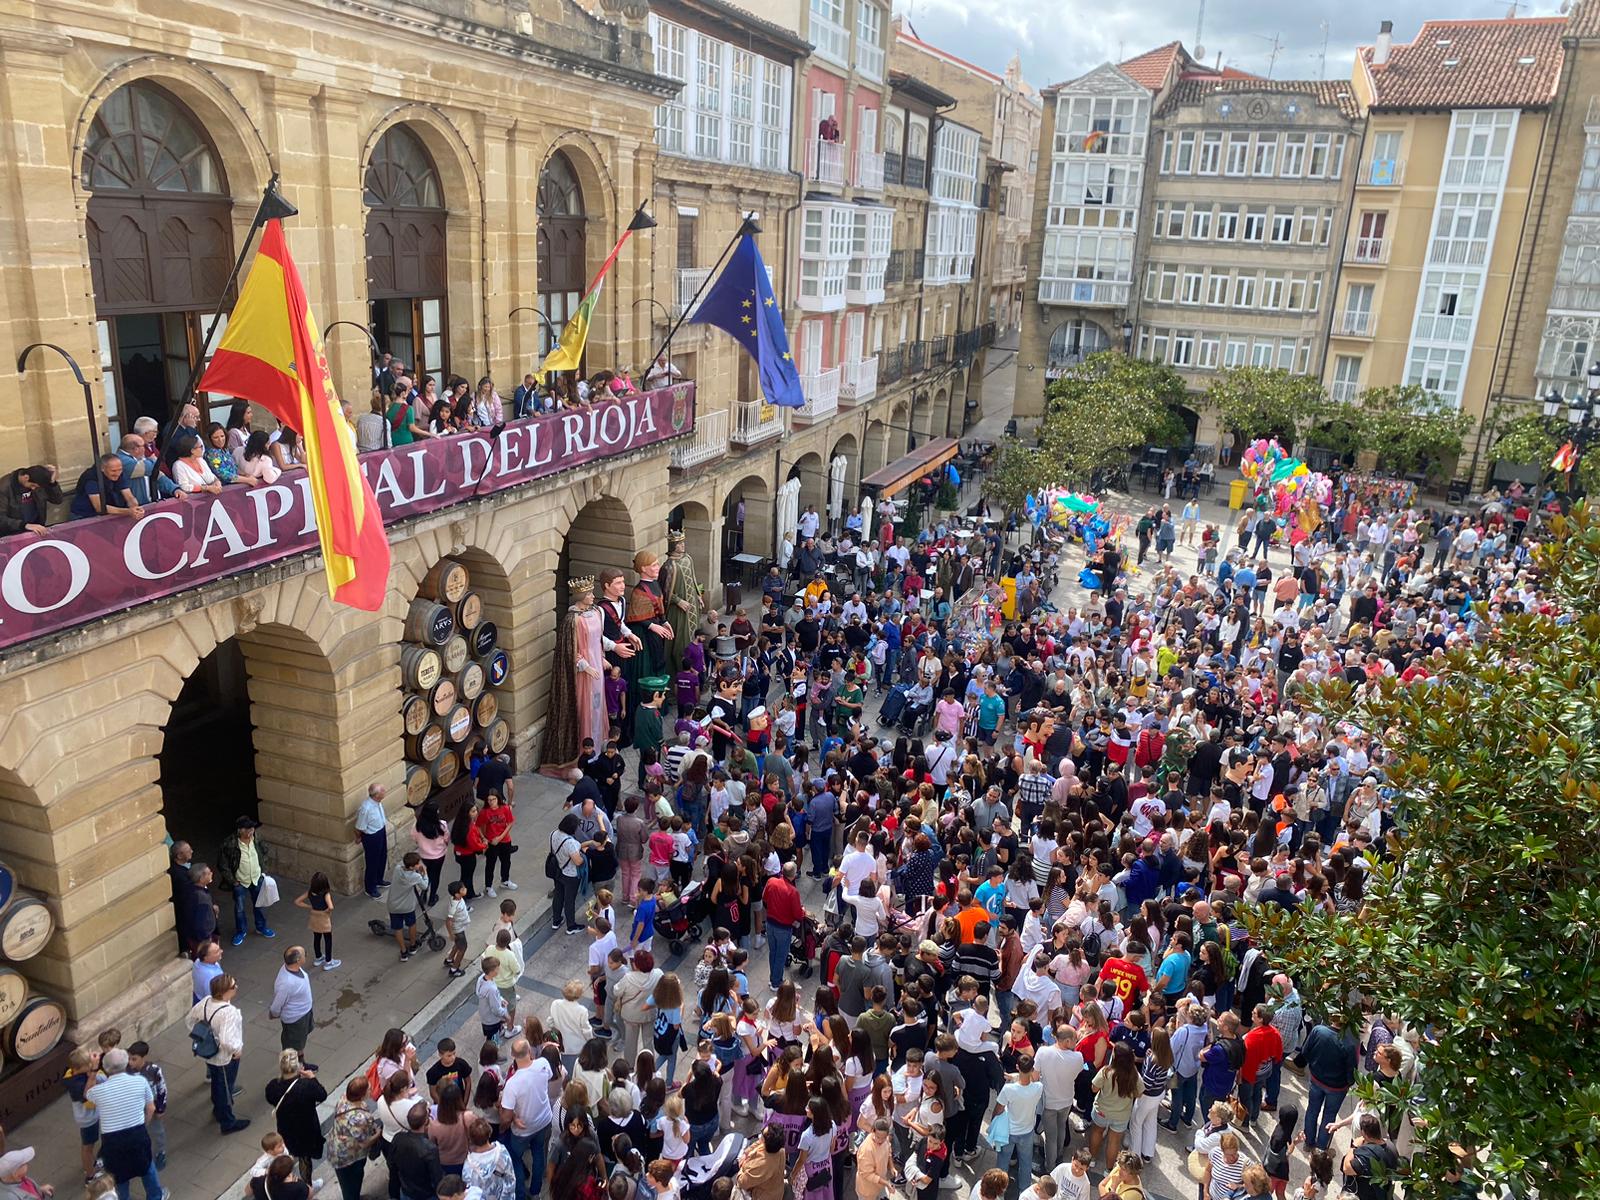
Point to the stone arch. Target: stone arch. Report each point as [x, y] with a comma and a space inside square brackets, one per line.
[755, 535]
[922, 416]
[601, 197]
[941, 413]
[699, 530]
[466, 325]
[845, 446]
[812, 472]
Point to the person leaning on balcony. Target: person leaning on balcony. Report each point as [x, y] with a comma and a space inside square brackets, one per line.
[661, 373]
[102, 489]
[139, 469]
[828, 128]
[372, 431]
[255, 462]
[24, 499]
[404, 428]
[487, 409]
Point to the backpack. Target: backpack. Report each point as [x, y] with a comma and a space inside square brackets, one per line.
[1235, 1049]
[203, 1038]
[1092, 945]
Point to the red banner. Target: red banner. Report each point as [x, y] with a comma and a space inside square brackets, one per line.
[103, 565]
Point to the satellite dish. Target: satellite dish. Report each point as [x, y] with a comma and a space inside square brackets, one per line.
[1565, 6]
[1200, 54]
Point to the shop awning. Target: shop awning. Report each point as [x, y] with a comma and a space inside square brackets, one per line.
[909, 468]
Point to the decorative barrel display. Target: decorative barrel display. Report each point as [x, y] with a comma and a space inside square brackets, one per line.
[496, 667]
[415, 712]
[485, 709]
[419, 782]
[469, 613]
[426, 746]
[454, 654]
[39, 1024]
[446, 583]
[445, 768]
[443, 697]
[13, 991]
[458, 725]
[8, 885]
[420, 668]
[469, 682]
[25, 927]
[498, 734]
[484, 638]
[428, 623]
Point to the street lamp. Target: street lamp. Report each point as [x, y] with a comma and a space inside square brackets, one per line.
[88, 391]
[1127, 337]
[666, 319]
[551, 329]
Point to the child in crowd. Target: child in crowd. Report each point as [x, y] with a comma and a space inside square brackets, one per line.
[318, 898]
[81, 1066]
[455, 925]
[139, 1064]
[450, 1068]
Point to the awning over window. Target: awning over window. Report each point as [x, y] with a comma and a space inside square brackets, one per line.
[906, 470]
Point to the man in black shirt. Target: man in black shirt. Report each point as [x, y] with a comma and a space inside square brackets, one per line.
[495, 776]
[1205, 762]
[808, 632]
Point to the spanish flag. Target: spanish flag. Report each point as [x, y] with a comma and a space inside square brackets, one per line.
[271, 355]
[1566, 458]
[567, 354]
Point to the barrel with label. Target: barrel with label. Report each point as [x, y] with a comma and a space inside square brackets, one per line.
[429, 623]
[13, 991]
[39, 1024]
[498, 734]
[469, 613]
[469, 682]
[24, 928]
[426, 746]
[419, 782]
[446, 768]
[447, 582]
[454, 654]
[485, 709]
[484, 638]
[420, 667]
[443, 697]
[458, 725]
[415, 712]
[496, 667]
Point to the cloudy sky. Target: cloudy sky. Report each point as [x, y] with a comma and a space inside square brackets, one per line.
[1061, 39]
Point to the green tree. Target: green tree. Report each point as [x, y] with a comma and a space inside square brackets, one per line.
[1263, 402]
[1102, 410]
[1482, 920]
[1533, 440]
[1411, 429]
[1017, 471]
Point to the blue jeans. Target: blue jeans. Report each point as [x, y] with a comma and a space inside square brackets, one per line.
[1007, 1000]
[152, 1185]
[1021, 1146]
[375, 849]
[778, 939]
[821, 851]
[1274, 1081]
[529, 1178]
[221, 1080]
[1322, 1108]
[702, 1137]
[239, 893]
[1185, 1095]
[1250, 1094]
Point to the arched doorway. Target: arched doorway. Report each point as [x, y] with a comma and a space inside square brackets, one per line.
[922, 417]
[941, 413]
[693, 520]
[812, 473]
[1073, 341]
[843, 494]
[746, 521]
[600, 536]
[563, 261]
[875, 453]
[160, 248]
[407, 285]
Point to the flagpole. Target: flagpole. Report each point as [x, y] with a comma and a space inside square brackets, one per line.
[641, 220]
[748, 225]
[272, 207]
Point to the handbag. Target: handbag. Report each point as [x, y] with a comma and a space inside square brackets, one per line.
[1197, 1164]
[268, 895]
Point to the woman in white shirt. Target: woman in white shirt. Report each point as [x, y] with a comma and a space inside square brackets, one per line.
[871, 915]
[192, 473]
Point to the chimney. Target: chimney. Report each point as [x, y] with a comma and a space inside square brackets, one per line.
[1380, 48]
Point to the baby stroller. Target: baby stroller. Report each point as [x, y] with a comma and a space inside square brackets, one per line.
[430, 935]
[703, 1170]
[679, 922]
[803, 947]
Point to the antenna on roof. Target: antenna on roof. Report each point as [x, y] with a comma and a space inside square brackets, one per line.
[1199, 34]
[1277, 48]
[1322, 57]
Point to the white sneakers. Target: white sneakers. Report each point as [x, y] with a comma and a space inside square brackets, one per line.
[331, 963]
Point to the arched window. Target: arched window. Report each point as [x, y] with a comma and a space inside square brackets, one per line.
[1073, 341]
[407, 277]
[160, 235]
[563, 260]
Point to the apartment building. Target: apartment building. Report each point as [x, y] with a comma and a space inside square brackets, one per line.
[1089, 178]
[1244, 225]
[1456, 119]
[1018, 111]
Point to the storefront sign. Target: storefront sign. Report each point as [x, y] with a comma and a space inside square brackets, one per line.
[87, 569]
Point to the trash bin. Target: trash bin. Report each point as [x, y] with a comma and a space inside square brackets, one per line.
[732, 595]
[1008, 606]
[1236, 493]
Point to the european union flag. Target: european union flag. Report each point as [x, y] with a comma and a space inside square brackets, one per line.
[741, 302]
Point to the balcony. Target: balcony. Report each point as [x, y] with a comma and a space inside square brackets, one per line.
[869, 58]
[986, 334]
[895, 272]
[919, 266]
[754, 422]
[1381, 172]
[690, 281]
[825, 163]
[864, 282]
[117, 563]
[708, 441]
[1344, 391]
[1087, 292]
[1354, 324]
[869, 170]
[1368, 251]
[916, 357]
[1458, 252]
[860, 382]
[893, 168]
[1433, 327]
[916, 172]
[822, 395]
[938, 351]
[891, 365]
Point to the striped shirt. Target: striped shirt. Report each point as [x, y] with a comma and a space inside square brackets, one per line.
[1225, 1176]
[120, 1100]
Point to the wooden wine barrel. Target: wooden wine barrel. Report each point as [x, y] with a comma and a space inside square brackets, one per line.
[8, 886]
[446, 583]
[484, 638]
[24, 928]
[13, 991]
[446, 768]
[420, 668]
[496, 667]
[469, 682]
[469, 613]
[485, 709]
[419, 782]
[443, 697]
[429, 624]
[39, 1024]
[498, 734]
[415, 711]
[454, 654]
[458, 725]
[426, 746]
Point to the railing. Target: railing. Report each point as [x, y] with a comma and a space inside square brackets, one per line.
[1382, 172]
[987, 332]
[822, 395]
[1459, 252]
[916, 357]
[709, 441]
[893, 168]
[1355, 324]
[938, 351]
[895, 272]
[832, 41]
[1344, 392]
[916, 172]
[827, 162]
[968, 343]
[690, 280]
[919, 266]
[1083, 291]
[1370, 250]
[754, 422]
[1434, 328]
[891, 365]
[869, 59]
[860, 380]
[869, 170]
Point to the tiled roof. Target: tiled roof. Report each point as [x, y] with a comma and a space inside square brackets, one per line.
[1329, 93]
[1152, 67]
[1471, 64]
[1583, 20]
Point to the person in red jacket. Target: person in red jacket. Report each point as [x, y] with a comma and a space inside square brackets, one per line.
[494, 823]
[1263, 1056]
[466, 835]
